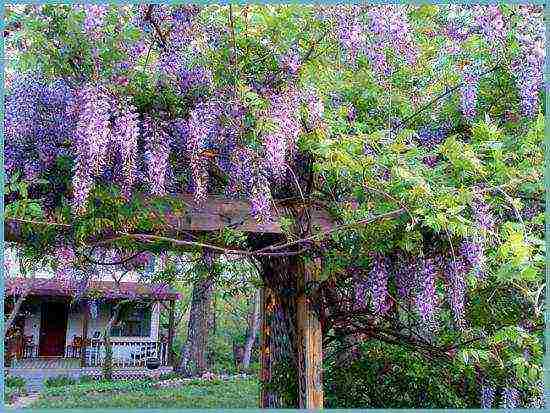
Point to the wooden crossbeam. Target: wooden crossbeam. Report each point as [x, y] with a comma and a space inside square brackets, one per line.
[218, 213]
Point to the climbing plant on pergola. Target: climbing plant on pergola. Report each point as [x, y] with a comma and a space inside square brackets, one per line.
[359, 154]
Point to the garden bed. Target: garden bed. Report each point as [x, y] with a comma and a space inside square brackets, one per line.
[211, 391]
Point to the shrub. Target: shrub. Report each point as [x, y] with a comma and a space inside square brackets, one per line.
[59, 381]
[387, 376]
[86, 379]
[168, 376]
[17, 382]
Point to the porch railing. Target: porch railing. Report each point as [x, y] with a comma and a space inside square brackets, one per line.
[127, 353]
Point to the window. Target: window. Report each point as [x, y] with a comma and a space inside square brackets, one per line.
[133, 322]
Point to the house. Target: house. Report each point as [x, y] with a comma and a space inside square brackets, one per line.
[54, 329]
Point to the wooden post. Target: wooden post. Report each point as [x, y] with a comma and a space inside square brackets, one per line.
[268, 307]
[171, 332]
[264, 348]
[85, 318]
[309, 342]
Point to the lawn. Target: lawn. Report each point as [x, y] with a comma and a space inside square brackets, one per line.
[235, 393]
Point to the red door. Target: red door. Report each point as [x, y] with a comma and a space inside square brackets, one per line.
[53, 329]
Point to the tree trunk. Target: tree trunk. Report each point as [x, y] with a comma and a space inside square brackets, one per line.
[108, 362]
[193, 360]
[278, 375]
[252, 330]
[13, 315]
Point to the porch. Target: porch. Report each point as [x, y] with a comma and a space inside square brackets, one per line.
[54, 332]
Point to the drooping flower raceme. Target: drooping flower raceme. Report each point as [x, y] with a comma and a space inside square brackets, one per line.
[529, 65]
[426, 298]
[468, 91]
[378, 280]
[95, 15]
[279, 143]
[510, 398]
[487, 397]
[92, 140]
[456, 289]
[203, 122]
[157, 151]
[126, 133]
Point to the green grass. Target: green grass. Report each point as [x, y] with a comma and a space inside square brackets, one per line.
[237, 393]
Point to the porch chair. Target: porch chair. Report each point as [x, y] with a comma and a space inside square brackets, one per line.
[75, 348]
[29, 347]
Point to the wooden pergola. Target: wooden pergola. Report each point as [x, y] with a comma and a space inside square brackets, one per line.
[291, 331]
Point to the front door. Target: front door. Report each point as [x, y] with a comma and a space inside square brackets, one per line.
[53, 329]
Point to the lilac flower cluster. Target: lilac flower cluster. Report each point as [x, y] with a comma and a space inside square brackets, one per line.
[187, 79]
[261, 201]
[290, 62]
[405, 267]
[473, 254]
[390, 24]
[93, 128]
[92, 140]
[431, 137]
[482, 214]
[203, 122]
[361, 292]
[350, 31]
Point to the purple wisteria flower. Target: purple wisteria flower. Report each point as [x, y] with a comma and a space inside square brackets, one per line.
[426, 298]
[468, 91]
[378, 281]
[456, 272]
[510, 398]
[487, 396]
[95, 16]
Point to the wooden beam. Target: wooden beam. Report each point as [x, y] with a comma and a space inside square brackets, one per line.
[218, 212]
[171, 333]
[85, 318]
[310, 342]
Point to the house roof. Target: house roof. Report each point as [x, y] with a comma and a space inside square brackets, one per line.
[99, 289]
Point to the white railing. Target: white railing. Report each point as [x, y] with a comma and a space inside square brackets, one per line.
[127, 353]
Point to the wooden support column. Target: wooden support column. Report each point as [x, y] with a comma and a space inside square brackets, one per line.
[85, 318]
[171, 333]
[309, 341]
[267, 398]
